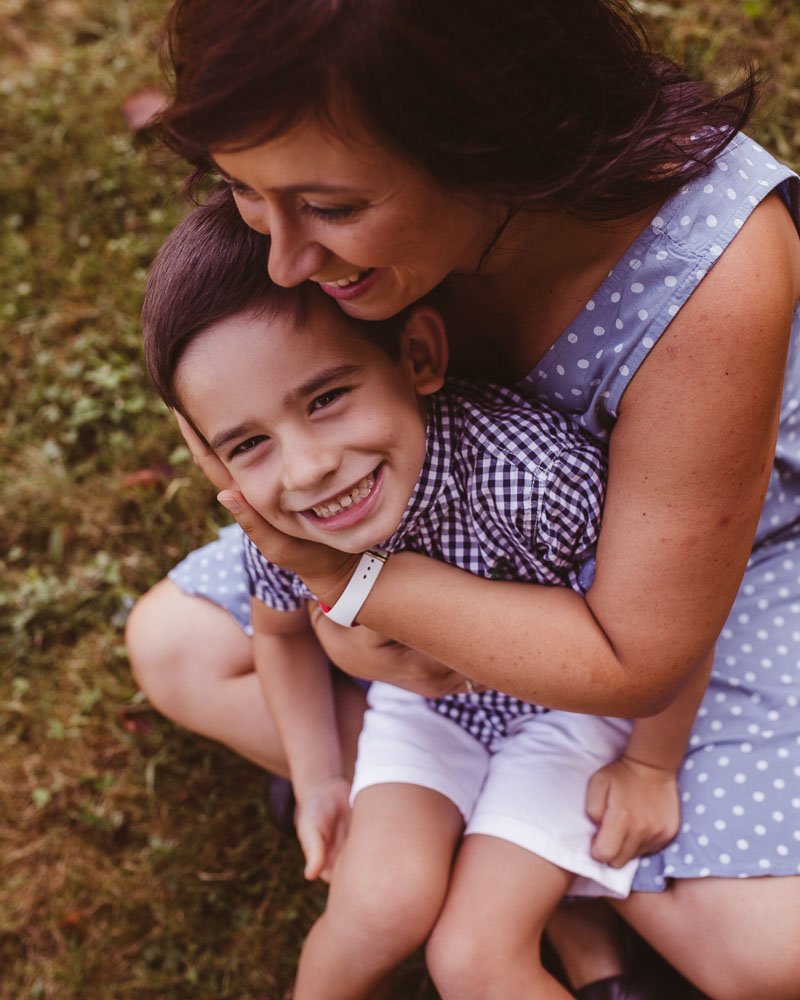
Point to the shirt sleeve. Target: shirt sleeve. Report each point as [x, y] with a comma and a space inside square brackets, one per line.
[569, 511]
[274, 586]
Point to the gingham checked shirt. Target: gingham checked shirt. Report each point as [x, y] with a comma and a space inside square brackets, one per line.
[510, 489]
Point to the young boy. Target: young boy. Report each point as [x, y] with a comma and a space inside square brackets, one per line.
[469, 820]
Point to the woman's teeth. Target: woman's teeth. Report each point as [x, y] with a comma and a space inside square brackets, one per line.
[358, 492]
[344, 282]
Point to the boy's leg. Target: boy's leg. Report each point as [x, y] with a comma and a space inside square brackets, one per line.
[534, 797]
[386, 892]
[195, 664]
[486, 942]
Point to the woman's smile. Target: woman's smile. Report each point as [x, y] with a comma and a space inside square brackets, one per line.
[347, 215]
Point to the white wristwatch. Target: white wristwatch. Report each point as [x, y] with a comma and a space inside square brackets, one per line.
[358, 588]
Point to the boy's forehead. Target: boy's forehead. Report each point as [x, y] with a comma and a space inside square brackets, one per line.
[284, 353]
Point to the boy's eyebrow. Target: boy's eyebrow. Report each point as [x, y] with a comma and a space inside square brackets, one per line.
[320, 380]
[316, 383]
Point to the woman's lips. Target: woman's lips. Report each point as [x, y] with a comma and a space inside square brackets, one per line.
[359, 508]
[352, 290]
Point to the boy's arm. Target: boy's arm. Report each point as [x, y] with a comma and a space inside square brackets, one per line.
[295, 680]
[634, 800]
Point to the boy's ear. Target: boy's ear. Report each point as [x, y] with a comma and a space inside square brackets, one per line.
[425, 350]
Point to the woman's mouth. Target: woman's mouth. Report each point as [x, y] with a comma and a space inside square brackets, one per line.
[350, 506]
[351, 287]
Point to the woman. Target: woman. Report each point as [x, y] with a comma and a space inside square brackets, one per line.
[598, 233]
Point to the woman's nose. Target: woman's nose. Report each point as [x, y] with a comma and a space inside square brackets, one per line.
[292, 260]
[293, 257]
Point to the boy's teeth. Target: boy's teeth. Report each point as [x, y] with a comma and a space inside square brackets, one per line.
[358, 492]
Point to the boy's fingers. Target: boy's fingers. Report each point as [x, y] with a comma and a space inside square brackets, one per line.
[314, 851]
[596, 797]
[609, 839]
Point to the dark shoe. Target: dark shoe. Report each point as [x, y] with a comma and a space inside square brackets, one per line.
[619, 987]
[281, 803]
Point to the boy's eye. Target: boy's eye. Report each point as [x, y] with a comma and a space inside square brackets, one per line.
[320, 402]
[248, 445]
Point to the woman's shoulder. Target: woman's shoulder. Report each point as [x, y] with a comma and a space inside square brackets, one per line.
[588, 369]
[704, 216]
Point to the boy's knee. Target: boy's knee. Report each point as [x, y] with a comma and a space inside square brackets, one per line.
[387, 912]
[467, 958]
[463, 958]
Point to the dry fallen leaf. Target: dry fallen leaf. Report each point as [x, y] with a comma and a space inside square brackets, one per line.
[141, 108]
[147, 478]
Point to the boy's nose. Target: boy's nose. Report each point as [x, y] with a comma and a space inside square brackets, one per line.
[307, 465]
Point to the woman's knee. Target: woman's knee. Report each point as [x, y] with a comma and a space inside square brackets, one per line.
[172, 638]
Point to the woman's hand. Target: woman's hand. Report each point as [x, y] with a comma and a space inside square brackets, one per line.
[203, 457]
[371, 656]
[324, 570]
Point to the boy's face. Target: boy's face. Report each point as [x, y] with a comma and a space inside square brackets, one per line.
[322, 431]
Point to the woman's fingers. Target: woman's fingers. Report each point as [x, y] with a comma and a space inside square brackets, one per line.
[324, 570]
[368, 655]
[203, 456]
[268, 540]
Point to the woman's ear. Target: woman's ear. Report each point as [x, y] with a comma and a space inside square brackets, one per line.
[425, 351]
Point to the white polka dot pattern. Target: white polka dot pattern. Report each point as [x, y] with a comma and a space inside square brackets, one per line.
[740, 784]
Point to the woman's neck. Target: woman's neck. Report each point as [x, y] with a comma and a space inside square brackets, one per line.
[538, 277]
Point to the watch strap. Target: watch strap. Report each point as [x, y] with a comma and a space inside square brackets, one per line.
[358, 588]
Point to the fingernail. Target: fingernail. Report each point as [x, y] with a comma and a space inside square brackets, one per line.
[230, 502]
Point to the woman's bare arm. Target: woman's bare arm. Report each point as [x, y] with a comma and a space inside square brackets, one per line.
[689, 461]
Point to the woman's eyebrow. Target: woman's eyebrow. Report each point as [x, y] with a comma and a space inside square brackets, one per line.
[318, 186]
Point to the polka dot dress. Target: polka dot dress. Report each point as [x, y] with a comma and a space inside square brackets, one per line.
[217, 572]
[740, 782]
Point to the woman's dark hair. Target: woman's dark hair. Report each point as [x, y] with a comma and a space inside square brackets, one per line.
[556, 103]
[213, 267]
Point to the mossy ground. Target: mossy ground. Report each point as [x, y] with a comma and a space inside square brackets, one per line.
[136, 861]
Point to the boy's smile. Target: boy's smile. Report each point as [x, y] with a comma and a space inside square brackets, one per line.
[323, 432]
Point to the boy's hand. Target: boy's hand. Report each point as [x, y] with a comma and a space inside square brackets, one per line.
[636, 808]
[323, 819]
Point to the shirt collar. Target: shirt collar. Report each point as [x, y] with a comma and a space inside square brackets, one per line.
[440, 446]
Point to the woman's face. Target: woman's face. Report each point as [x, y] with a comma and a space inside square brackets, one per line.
[371, 229]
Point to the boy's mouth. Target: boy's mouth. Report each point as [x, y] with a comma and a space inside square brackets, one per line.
[351, 497]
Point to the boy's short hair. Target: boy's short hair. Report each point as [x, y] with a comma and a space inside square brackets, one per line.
[213, 267]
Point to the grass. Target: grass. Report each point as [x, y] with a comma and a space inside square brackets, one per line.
[136, 861]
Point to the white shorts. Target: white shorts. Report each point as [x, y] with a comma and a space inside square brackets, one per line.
[531, 791]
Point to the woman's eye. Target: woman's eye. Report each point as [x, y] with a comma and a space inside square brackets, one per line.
[330, 213]
[240, 190]
[248, 445]
[320, 402]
